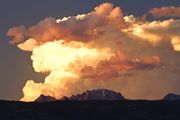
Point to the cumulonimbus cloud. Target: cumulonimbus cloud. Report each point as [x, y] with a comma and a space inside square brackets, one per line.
[102, 49]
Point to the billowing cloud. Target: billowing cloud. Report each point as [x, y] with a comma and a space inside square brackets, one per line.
[170, 11]
[102, 49]
[80, 28]
[157, 31]
[18, 33]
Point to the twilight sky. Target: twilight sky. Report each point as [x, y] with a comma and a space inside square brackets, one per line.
[16, 65]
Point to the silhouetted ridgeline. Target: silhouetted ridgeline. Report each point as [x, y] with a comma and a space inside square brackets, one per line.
[97, 94]
[91, 110]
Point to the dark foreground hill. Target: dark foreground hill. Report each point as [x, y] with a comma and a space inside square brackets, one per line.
[91, 110]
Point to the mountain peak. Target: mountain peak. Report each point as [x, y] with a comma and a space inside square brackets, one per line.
[98, 94]
[43, 98]
[171, 96]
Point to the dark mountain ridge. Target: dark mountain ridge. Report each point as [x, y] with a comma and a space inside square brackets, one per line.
[100, 104]
[98, 94]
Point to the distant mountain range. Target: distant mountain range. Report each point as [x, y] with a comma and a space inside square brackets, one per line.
[98, 94]
[100, 104]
